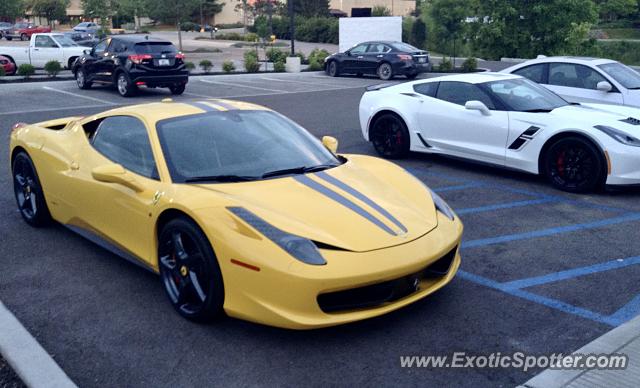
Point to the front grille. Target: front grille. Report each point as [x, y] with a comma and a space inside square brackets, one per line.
[631, 120]
[389, 291]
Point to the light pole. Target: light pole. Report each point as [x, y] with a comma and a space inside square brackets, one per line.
[291, 27]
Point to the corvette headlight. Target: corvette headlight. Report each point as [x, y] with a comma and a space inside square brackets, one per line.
[619, 135]
[299, 247]
[442, 206]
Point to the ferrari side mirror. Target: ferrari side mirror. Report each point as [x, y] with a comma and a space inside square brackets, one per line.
[115, 173]
[331, 143]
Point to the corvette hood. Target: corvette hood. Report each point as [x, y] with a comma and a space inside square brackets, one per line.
[588, 115]
[347, 207]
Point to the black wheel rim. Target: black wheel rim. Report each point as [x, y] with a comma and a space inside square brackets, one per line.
[80, 78]
[387, 136]
[25, 184]
[184, 273]
[385, 71]
[572, 166]
[332, 69]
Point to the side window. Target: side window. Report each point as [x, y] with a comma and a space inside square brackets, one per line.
[360, 49]
[534, 72]
[574, 76]
[124, 140]
[43, 41]
[461, 92]
[100, 48]
[378, 48]
[117, 47]
[427, 88]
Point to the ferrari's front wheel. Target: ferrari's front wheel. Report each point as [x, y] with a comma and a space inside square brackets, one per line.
[28, 191]
[189, 271]
[390, 136]
[574, 164]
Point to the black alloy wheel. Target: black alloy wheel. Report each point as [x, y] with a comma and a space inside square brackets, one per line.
[28, 191]
[332, 69]
[575, 165]
[385, 71]
[189, 271]
[390, 136]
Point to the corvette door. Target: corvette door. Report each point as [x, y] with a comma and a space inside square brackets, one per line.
[447, 126]
[120, 213]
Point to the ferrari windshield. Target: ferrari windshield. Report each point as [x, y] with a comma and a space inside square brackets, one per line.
[628, 77]
[239, 145]
[523, 95]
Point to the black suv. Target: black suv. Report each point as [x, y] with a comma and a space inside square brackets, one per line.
[131, 61]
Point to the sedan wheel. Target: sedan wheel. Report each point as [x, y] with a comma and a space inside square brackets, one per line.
[332, 70]
[574, 164]
[385, 71]
[189, 271]
[390, 136]
[28, 191]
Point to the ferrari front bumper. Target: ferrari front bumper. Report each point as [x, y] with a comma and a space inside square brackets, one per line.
[293, 298]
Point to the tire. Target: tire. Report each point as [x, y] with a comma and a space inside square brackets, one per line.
[390, 136]
[81, 79]
[574, 164]
[177, 89]
[333, 70]
[28, 191]
[385, 71]
[124, 86]
[9, 38]
[189, 271]
[24, 37]
[412, 76]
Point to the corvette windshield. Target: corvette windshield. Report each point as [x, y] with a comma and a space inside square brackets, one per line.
[628, 77]
[523, 95]
[239, 145]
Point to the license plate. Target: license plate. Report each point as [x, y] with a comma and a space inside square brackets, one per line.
[422, 60]
[163, 62]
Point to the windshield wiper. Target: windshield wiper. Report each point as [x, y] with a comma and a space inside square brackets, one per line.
[298, 170]
[221, 178]
[538, 110]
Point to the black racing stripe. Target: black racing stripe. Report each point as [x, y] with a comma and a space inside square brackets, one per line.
[202, 106]
[224, 105]
[305, 180]
[530, 131]
[343, 186]
[424, 142]
[519, 142]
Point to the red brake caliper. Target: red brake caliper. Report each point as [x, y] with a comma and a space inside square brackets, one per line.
[398, 137]
[560, 163]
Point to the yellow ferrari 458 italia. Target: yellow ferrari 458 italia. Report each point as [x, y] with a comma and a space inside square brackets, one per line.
[239, 210]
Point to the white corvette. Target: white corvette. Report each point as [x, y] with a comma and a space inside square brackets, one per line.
[509, 121]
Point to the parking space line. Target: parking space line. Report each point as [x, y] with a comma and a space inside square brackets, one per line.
[551, 231]
[335, 85]
[197, 95]
[79, 95]
[628, 311]
[457, 187]
[571, 273]
[243, 86]
[507, 205]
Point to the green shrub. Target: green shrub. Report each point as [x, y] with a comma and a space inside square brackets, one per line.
[251, 37]
[303, 59]
[229, 25]
[279, 66]
[189, 26]
[418, 34]
[228, 66]
[206, 65]
[26, 70]
[469, 65]
[407, 27]
[380, 10]
[276, 55]
[314, 65]
[445, 65]
[102, 32]
[190, 66]
[251, 64]
[227, 36]
[2, 72]
[318, 55]
[53, 68]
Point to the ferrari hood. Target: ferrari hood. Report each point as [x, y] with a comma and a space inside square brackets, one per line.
[348, 207]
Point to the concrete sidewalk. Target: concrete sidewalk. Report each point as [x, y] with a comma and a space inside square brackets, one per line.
[624, 339]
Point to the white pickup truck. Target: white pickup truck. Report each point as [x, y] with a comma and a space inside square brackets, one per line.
[44, 48]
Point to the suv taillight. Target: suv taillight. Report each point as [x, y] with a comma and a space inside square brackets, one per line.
[179, 56]
[138, 58]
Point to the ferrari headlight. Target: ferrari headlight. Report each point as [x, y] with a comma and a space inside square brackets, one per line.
[299, 247]
[619, 135]
[442, 206]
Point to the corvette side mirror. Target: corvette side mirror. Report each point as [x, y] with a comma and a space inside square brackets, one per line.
[331, 143]
[604, 86]
[115, 173]
[479, 106]
[87, 52]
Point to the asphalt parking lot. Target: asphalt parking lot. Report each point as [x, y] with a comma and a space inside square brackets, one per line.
[543, 271]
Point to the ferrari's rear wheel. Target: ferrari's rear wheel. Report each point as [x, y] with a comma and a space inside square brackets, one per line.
[189, 270]
[28, 191]
[390, 136]
[575, 165]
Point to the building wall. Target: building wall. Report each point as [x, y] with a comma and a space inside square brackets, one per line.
[397, 7]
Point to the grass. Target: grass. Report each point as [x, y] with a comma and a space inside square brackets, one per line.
[205, 50]
[250, 44]
[622, 33]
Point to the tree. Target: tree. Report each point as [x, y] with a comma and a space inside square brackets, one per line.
[418, 34]
[133, 9]
[311, 8]
[448, 19]
[380, 10]
[171, 11]
[617, 9]
[11, 9]
[50, 9]
[99, 9]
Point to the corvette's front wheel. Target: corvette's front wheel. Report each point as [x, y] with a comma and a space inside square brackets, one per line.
[189, 270]
[574, 164]
[28, 191]
[390, 136]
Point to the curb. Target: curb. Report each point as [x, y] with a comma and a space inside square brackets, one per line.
[28, 359]
[612, 342]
